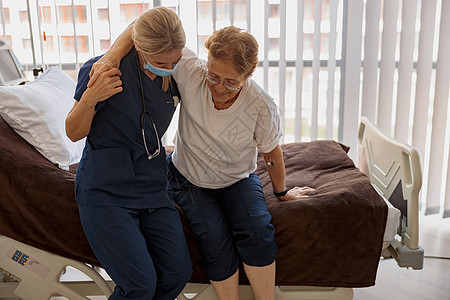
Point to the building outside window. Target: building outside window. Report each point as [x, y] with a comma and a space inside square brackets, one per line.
[65, 14]
[46, 14]
[6, 15]
[103, 14]
[130, 12]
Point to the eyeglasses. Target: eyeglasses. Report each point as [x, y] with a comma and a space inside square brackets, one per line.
[145, 116]
[216, 80]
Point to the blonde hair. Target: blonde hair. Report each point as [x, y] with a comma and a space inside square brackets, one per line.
[159, 31]
[236, 46]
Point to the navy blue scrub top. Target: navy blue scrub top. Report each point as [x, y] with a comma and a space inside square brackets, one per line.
[114, 168]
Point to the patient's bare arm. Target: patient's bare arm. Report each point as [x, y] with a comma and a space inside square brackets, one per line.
[79, 118]
[112, 58]
[275, 167]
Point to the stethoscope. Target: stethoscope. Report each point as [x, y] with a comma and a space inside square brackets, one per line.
[146, 114]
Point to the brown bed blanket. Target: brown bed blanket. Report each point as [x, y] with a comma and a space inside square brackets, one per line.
[334, 238]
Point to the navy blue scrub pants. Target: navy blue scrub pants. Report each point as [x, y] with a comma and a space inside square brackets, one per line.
[231, 224]
[144, 251]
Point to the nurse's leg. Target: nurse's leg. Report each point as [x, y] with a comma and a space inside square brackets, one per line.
[167, 245]
[115, 237]
[253, 233]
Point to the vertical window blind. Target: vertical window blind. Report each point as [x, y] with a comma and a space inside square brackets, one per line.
[325, 62]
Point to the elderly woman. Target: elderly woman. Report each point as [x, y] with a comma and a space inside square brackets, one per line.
[225, 118]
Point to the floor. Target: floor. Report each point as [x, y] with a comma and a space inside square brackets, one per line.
[432, 282]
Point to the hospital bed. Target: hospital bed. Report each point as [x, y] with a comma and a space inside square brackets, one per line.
[328, 244]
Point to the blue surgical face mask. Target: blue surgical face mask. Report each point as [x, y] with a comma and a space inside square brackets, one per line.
[158, 71]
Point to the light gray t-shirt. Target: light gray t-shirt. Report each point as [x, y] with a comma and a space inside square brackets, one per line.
[216, 148]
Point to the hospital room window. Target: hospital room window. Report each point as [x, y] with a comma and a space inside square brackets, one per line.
[80, 14]
[204, 11]
[274, 10]
[49, 45]
[65, 14]
[9, 40]
[6, 14]
[130, 12]
[105, 44]
[240, 11]
[103, 14]
[67, 44]
[26, 43]
[83, 44]
[223, 11]
[274, 48]
[23, 16]
[46, 14]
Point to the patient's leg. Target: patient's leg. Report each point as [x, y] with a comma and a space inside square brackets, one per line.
[262, 281]
[227, 289]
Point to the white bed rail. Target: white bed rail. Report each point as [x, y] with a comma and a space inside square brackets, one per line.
[42, 271]
[395, 172]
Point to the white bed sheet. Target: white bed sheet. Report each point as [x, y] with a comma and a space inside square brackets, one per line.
[393, 221]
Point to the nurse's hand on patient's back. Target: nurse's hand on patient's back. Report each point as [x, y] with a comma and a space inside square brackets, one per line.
[297, 193]
[107, 84]
[104, 64]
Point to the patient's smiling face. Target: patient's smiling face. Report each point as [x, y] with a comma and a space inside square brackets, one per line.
[224, 82]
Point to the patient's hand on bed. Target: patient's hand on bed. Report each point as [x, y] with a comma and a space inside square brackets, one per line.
[297, 193]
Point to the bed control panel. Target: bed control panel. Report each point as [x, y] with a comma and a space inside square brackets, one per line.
[20, 257]
[28, 262]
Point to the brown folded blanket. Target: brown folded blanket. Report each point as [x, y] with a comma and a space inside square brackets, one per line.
[333, 238]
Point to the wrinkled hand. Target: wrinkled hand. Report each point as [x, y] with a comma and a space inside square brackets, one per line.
[297, 193]
[106, 85]
[104, 64]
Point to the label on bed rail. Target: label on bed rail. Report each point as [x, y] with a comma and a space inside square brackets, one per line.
[29, 263]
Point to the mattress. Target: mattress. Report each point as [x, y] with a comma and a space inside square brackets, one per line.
[333, 238]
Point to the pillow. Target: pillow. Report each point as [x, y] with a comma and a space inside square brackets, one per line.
[37, 112]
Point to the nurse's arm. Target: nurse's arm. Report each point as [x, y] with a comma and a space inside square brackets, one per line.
[79, 118]
[274, 162]
[113, 56]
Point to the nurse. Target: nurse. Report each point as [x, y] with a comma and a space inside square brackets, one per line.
[128, 218]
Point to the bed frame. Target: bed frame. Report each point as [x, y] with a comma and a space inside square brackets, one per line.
[393, 168]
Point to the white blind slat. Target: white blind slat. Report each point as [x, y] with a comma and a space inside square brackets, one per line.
[282, 65]
[231, 3]
[214, 14]
[387, 65]
[75, 37]
[2, 14]
[58, 42]
[266, 46]
[446, 213]
[405, 70]
[299, 73]
[423, 69]
[248, 16]
[352, 76]
[41, 38]
[370, 63]
[331, 68]
[316, 69]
